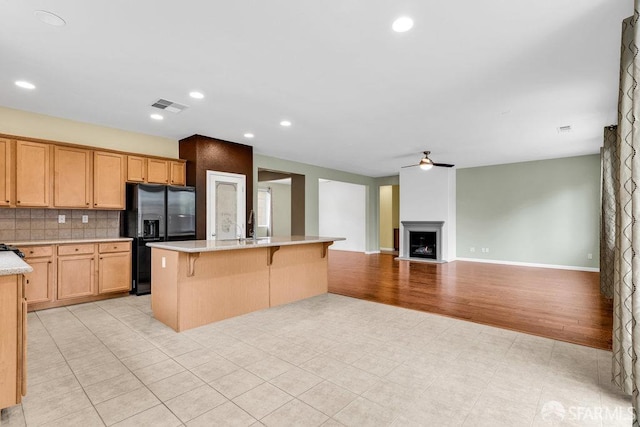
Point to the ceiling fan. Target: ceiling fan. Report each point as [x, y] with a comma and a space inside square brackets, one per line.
[426, 163]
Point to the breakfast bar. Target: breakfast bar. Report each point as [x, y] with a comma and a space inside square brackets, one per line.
[202, 281]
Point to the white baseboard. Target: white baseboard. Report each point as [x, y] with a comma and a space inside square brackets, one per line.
[387, 249]
[531, 264]
[372, 252]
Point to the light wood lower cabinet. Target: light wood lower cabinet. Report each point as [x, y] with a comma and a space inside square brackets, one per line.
[76, 270]
[76, 273]
[13, 341]
[39, 284]
[114, 267]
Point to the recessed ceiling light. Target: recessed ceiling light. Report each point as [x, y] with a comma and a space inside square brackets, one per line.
[49, 18]
[285, 123]
[402, 24]
[156, 117]
[196, 95]
[25, 85]
[248, 135]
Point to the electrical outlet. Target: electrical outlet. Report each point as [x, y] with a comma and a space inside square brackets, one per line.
[85, 219]
[62, 219]
[486, 250]
[589, 256]
[164, 262]
[472, 249]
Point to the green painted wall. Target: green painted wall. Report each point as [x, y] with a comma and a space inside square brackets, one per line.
[543, 212]
[312, 175]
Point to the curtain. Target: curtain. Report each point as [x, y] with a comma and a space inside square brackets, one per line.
[609, 166]
[626, 272]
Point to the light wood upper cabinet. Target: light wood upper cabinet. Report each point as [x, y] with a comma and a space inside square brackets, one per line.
[71, 177]
[178, 173]
[157, 171]
[108, 180]
[6, 168]
[33, 178]
[136, 168]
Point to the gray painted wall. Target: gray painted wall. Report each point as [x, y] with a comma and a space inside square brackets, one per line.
[545, 212]
[280, 207]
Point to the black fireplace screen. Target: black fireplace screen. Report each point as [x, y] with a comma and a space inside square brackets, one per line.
[422, 244]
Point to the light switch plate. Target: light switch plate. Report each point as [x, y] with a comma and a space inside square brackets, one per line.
[62, 219]
[85, 219]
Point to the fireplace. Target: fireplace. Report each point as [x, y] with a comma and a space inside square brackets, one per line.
[422, 241]
[422, 244]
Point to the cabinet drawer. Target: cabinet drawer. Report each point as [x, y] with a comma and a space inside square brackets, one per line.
[75, 249]
[37, 251]
[104, 248]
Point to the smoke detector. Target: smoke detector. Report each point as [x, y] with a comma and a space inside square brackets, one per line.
[166, 105]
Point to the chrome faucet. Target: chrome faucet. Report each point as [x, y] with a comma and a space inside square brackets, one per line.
[252, 225]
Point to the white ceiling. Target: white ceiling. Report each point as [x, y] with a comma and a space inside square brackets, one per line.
[475, 82]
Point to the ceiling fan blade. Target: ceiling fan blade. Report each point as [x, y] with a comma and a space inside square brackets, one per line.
[409, 166]
[444, 165]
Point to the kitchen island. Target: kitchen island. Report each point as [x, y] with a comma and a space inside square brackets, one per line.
[202, 281]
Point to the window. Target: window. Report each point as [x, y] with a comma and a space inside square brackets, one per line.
[264, 209]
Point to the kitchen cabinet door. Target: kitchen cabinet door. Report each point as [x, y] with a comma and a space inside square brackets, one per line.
[157, 171]
[108, 180]
[33, 179]
[114, 270]
[71, 177]
[6, 163]
[76, 276]
[178, 173]
[136, 168]
[39, 284]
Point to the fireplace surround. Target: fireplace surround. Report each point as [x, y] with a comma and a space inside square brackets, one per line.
[422, 241]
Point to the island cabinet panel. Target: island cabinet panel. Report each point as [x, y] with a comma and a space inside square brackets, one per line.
[13, 341]
[224, 284]
[32, 174]
[108, 180]
[157, 171]
[298, 272]
[71, 177]
[6, 175]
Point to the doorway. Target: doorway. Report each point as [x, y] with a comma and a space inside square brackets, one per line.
[343, 213]
[390, 219]
[286, 200]
[225, 205]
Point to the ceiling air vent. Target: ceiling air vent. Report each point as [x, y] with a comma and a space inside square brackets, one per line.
[167, 105]
[564, 129]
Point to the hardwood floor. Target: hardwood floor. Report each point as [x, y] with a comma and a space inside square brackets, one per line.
[560, 304]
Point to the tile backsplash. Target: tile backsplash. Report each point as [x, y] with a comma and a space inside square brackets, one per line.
[18, 225]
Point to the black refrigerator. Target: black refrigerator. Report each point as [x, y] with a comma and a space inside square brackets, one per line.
[155, 213]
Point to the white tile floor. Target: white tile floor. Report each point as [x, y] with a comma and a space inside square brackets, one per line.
[328, 360]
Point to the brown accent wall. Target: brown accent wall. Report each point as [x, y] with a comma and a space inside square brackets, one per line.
[203, 153]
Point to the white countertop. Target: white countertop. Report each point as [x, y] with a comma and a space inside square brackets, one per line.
[69, 241]
[194, 246]
[11, 263]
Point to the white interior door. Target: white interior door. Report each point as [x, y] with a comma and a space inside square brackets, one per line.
[226, 205]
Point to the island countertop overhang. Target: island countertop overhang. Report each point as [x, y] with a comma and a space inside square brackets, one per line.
[196, 246]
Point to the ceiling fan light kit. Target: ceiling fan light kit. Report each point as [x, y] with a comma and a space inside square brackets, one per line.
[426, 163]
